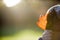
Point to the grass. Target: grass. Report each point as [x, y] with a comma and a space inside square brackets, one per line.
[24, 35]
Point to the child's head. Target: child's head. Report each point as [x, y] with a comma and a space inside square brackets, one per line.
[51, 20]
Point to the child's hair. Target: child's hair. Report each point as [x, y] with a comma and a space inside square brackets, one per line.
[53, 17]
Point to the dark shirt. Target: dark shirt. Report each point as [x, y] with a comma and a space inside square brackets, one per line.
[46, 35]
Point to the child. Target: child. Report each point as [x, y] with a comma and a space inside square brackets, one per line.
[50, 23]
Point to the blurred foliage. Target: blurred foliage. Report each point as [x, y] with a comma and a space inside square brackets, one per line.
[31, 10]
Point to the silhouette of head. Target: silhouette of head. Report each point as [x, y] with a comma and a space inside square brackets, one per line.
[51, 20]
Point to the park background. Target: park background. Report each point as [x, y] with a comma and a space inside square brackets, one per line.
[19, 22]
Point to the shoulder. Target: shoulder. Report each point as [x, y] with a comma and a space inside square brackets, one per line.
[40, 39]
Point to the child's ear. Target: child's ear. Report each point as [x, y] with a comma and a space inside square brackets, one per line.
[42, 22]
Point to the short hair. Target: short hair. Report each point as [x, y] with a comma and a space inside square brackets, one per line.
[53, 17]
